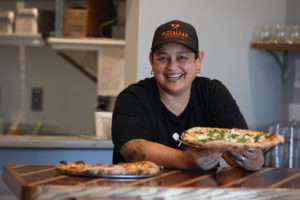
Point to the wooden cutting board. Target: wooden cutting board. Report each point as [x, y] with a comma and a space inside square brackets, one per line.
[44, 182]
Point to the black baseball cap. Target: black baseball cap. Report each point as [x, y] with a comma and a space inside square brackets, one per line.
[178, 32]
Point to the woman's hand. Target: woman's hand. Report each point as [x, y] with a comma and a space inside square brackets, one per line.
[251, 159]
[203, 159]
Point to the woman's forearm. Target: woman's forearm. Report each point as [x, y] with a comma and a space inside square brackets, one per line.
[138, 150]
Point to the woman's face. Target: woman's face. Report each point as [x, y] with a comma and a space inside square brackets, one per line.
[175, 67]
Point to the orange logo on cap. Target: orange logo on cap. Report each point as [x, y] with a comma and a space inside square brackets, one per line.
[174, 32]
[175, 26]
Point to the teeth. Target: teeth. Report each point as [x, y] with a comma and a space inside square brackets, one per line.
[174, 76]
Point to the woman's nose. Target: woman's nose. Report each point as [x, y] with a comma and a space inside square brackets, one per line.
[172, 63]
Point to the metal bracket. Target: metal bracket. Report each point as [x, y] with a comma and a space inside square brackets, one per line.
[282, 63]
[77, 66]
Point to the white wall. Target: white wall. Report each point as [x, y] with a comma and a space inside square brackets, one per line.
[292, 14]
[291, 93]
[225, 30]
[69, 97]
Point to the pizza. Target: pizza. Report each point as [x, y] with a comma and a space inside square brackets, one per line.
[142, 168]
[222, 138]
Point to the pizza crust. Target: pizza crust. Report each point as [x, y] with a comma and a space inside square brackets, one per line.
[222, 138]
[142, 168]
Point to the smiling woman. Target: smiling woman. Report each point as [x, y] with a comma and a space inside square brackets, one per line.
[149, 112]
[175, 67]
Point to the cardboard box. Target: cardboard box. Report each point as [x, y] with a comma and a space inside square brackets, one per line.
[76, 23]
[94, 21]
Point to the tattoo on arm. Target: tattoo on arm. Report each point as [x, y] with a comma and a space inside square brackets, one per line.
[134, 150]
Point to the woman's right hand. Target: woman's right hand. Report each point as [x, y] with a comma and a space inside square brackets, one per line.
[203, 159]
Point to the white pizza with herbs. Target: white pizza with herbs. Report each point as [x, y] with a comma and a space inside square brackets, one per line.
[222, 138]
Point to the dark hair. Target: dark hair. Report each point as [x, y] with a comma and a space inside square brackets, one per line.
[154, 49]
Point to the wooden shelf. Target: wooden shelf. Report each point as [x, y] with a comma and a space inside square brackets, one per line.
[273, 50]
[270, 46]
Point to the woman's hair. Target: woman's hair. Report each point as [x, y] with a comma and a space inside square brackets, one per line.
[154, 49]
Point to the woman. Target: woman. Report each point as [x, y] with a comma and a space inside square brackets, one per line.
[148, 113]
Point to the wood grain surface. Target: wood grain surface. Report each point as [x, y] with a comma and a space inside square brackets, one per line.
[44, 182]
[272, 46]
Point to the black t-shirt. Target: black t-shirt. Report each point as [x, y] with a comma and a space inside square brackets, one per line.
[139, 113]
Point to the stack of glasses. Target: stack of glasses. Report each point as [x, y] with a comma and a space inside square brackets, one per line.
[286, 155]
[279, 34]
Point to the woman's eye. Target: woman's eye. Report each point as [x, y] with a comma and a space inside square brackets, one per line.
[163, 58]
[182, 58]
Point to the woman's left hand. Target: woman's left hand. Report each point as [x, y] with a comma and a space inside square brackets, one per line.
[251, 159]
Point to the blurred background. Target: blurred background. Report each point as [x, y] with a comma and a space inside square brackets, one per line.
[56, 83]
[63, 62]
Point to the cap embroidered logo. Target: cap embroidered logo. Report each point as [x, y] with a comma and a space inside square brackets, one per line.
[175, 26]
[174, 32]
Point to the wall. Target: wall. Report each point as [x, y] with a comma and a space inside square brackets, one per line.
[225, 30]
[292, 14]
[69, 97]
[291, 94]
[131, 34]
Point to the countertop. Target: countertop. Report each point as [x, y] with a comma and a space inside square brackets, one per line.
[52, 142]
[44, 182]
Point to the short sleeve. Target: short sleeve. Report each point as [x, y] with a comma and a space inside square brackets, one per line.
[131, 120]
[225, 111]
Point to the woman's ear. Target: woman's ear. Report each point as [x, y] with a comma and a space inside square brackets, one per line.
[151, 58]
[200, 59]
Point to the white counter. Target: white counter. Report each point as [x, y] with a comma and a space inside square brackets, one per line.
[45, 150]
[55, 142]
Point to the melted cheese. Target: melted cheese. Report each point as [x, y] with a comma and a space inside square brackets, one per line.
[231, 135]
[202, 137]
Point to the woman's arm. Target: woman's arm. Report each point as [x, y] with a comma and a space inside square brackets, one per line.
[139, 149]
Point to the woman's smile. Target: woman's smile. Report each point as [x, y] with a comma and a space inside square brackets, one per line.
[174, 76]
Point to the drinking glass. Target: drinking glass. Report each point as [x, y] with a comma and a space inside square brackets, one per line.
[286, 154]
[266, 34]
[273, 156]
[280, 34]
[297, 145]
[294, 35]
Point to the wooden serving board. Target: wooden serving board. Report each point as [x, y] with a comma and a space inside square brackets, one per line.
[44, 182]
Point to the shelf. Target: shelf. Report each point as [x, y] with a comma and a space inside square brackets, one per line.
[273, 48]
[270, 46]
[53, 142]
[21, 39]
[59, 43]
[83, 43]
